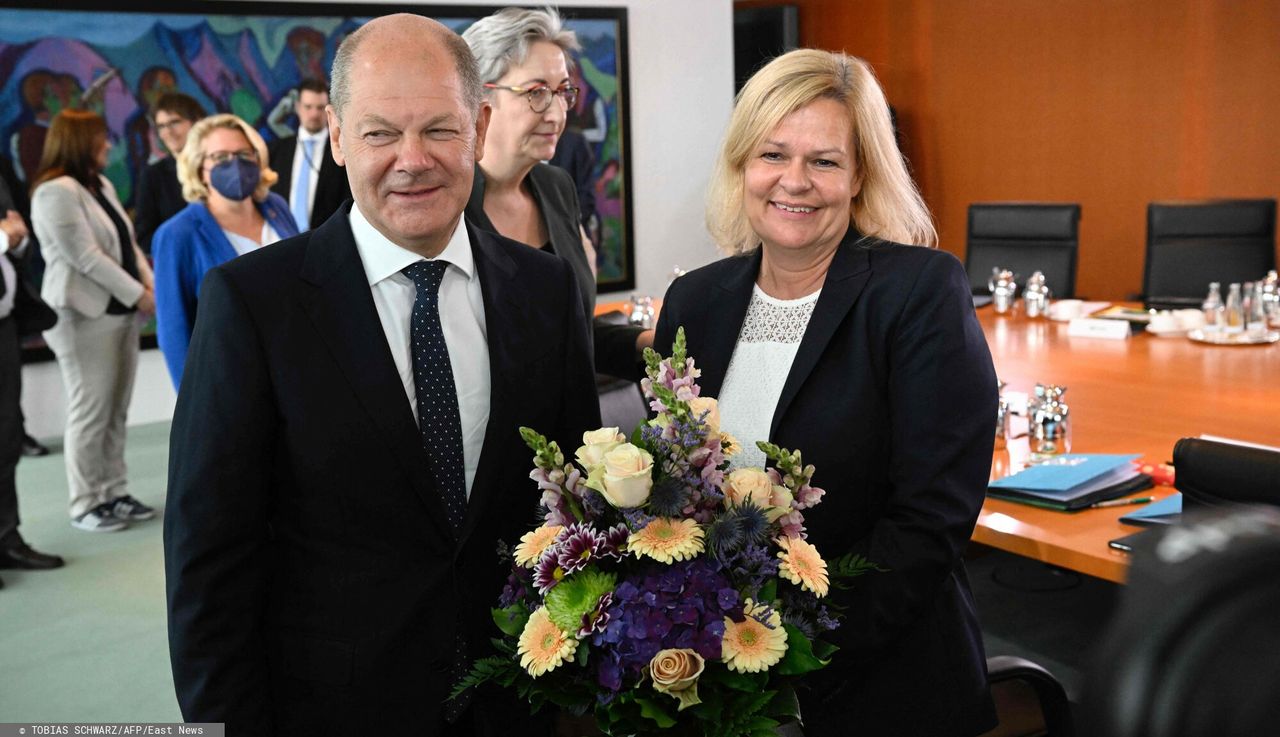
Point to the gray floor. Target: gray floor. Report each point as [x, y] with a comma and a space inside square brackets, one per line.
[87, 642]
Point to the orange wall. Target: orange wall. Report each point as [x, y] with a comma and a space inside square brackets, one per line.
[1109, 103]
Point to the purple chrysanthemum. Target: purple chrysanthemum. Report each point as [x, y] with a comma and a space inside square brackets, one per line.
[613, 545]
[597, 619]
[577, 546]
[547, 573]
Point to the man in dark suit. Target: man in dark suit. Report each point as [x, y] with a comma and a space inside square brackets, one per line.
[15, 240]
[310, 179]
[159, 191]
[344, 455]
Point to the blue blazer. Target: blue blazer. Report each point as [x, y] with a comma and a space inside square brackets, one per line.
[184, 248]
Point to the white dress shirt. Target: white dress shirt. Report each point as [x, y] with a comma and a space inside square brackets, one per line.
[244, 245]
[311, 169]
[461, 318]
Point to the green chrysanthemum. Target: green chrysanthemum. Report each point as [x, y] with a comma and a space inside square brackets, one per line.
[576, 596]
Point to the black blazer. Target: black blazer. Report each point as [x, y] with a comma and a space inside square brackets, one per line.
[159, 198]
[614, 346]
[314, 584]
[332, 188]
[892, 395]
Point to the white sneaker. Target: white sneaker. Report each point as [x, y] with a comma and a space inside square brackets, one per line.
[131, 510]
[99, 519]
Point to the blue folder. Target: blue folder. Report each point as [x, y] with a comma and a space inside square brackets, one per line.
[1166, 511]
[1061, 475]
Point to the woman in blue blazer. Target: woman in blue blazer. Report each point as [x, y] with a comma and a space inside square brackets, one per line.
[224, 175]
[824, 333]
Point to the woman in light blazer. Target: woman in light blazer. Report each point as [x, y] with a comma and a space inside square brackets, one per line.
[98, 280]
[224, 174]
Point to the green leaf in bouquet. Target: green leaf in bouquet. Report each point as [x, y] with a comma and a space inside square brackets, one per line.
[580, 655]
[850, 566]
[482, 671]
[746, 682]
[763, 727]
[823, 650]
[651, 709]
[799, 658]
[784, 706]
[511, 620]
[769, 591]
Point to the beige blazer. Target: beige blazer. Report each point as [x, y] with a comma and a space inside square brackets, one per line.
[81, 248]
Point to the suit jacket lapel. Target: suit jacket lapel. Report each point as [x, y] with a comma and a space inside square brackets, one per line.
[341, 308]
[211, 234]
[712, 346]
[847, 276]
[505, 319]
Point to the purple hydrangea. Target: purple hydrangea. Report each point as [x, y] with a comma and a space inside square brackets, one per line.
[676, 606]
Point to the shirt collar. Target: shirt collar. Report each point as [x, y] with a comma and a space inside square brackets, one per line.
[319, 136]
[383, 259]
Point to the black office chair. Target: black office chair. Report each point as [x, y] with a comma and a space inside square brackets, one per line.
[1190, 244]
[1030, 702]
[1194, 649]
[1024, 237]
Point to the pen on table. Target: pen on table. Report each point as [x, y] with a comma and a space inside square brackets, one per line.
[1121, 502]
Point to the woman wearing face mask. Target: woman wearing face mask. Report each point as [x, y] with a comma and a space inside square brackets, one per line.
[97, 279]
[524, 60]
[224, 175]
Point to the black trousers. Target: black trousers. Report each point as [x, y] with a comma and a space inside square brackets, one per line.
[10, 428]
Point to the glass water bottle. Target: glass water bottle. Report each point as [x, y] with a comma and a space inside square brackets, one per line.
[1233, 317]
[1213, 308]
[1256, 316]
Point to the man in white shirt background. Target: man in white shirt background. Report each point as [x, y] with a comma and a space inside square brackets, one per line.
[310, 179]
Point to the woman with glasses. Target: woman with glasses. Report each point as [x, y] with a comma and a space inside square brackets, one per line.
[98, 281]
[524, 58]
[224, 175]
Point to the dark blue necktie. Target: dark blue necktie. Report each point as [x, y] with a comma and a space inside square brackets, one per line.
[438, 417]
[440, 423]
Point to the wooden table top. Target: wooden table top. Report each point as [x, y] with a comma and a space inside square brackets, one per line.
[1126, 396]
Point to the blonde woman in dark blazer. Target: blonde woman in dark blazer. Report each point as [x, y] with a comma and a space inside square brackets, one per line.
[98, 281]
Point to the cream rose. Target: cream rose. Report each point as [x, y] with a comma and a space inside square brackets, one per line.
[756, 485]
[675, 672]
[595, 444]
[748, 483]
[698, 405]
[627, 476]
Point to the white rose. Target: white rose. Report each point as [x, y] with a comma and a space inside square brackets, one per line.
[595, 444]
[780, 503]
[628, 476]
[698, 405]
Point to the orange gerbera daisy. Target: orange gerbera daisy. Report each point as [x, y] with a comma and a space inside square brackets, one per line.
[667, 540]
[752, 645]
[534, 542]
[543, 646]
[802, 565]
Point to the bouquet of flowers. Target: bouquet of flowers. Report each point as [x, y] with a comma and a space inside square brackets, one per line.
[663, 593]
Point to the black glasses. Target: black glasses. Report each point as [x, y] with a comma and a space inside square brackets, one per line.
[162, 127]
[539, 96]
[220, 157]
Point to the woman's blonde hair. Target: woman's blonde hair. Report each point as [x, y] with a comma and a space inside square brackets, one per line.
[887, 206]
[192, 158]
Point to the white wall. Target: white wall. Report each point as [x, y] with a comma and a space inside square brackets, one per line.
[681, 80]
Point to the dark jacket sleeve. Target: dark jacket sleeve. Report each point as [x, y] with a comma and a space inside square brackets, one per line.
[581, 405]
[217, 520]
[942, 398]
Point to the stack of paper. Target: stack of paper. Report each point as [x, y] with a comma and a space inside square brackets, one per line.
[1072, 481]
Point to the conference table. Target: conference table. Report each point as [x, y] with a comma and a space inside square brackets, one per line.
[1137, 395]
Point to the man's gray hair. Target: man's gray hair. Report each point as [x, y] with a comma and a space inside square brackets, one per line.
[502, 40]
[465, 64]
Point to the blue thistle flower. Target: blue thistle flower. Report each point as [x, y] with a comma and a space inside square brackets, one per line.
[668, 497]
[751, 521]
[724, 537]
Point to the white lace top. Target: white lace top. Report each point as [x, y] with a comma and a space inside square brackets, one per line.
[767, 345]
